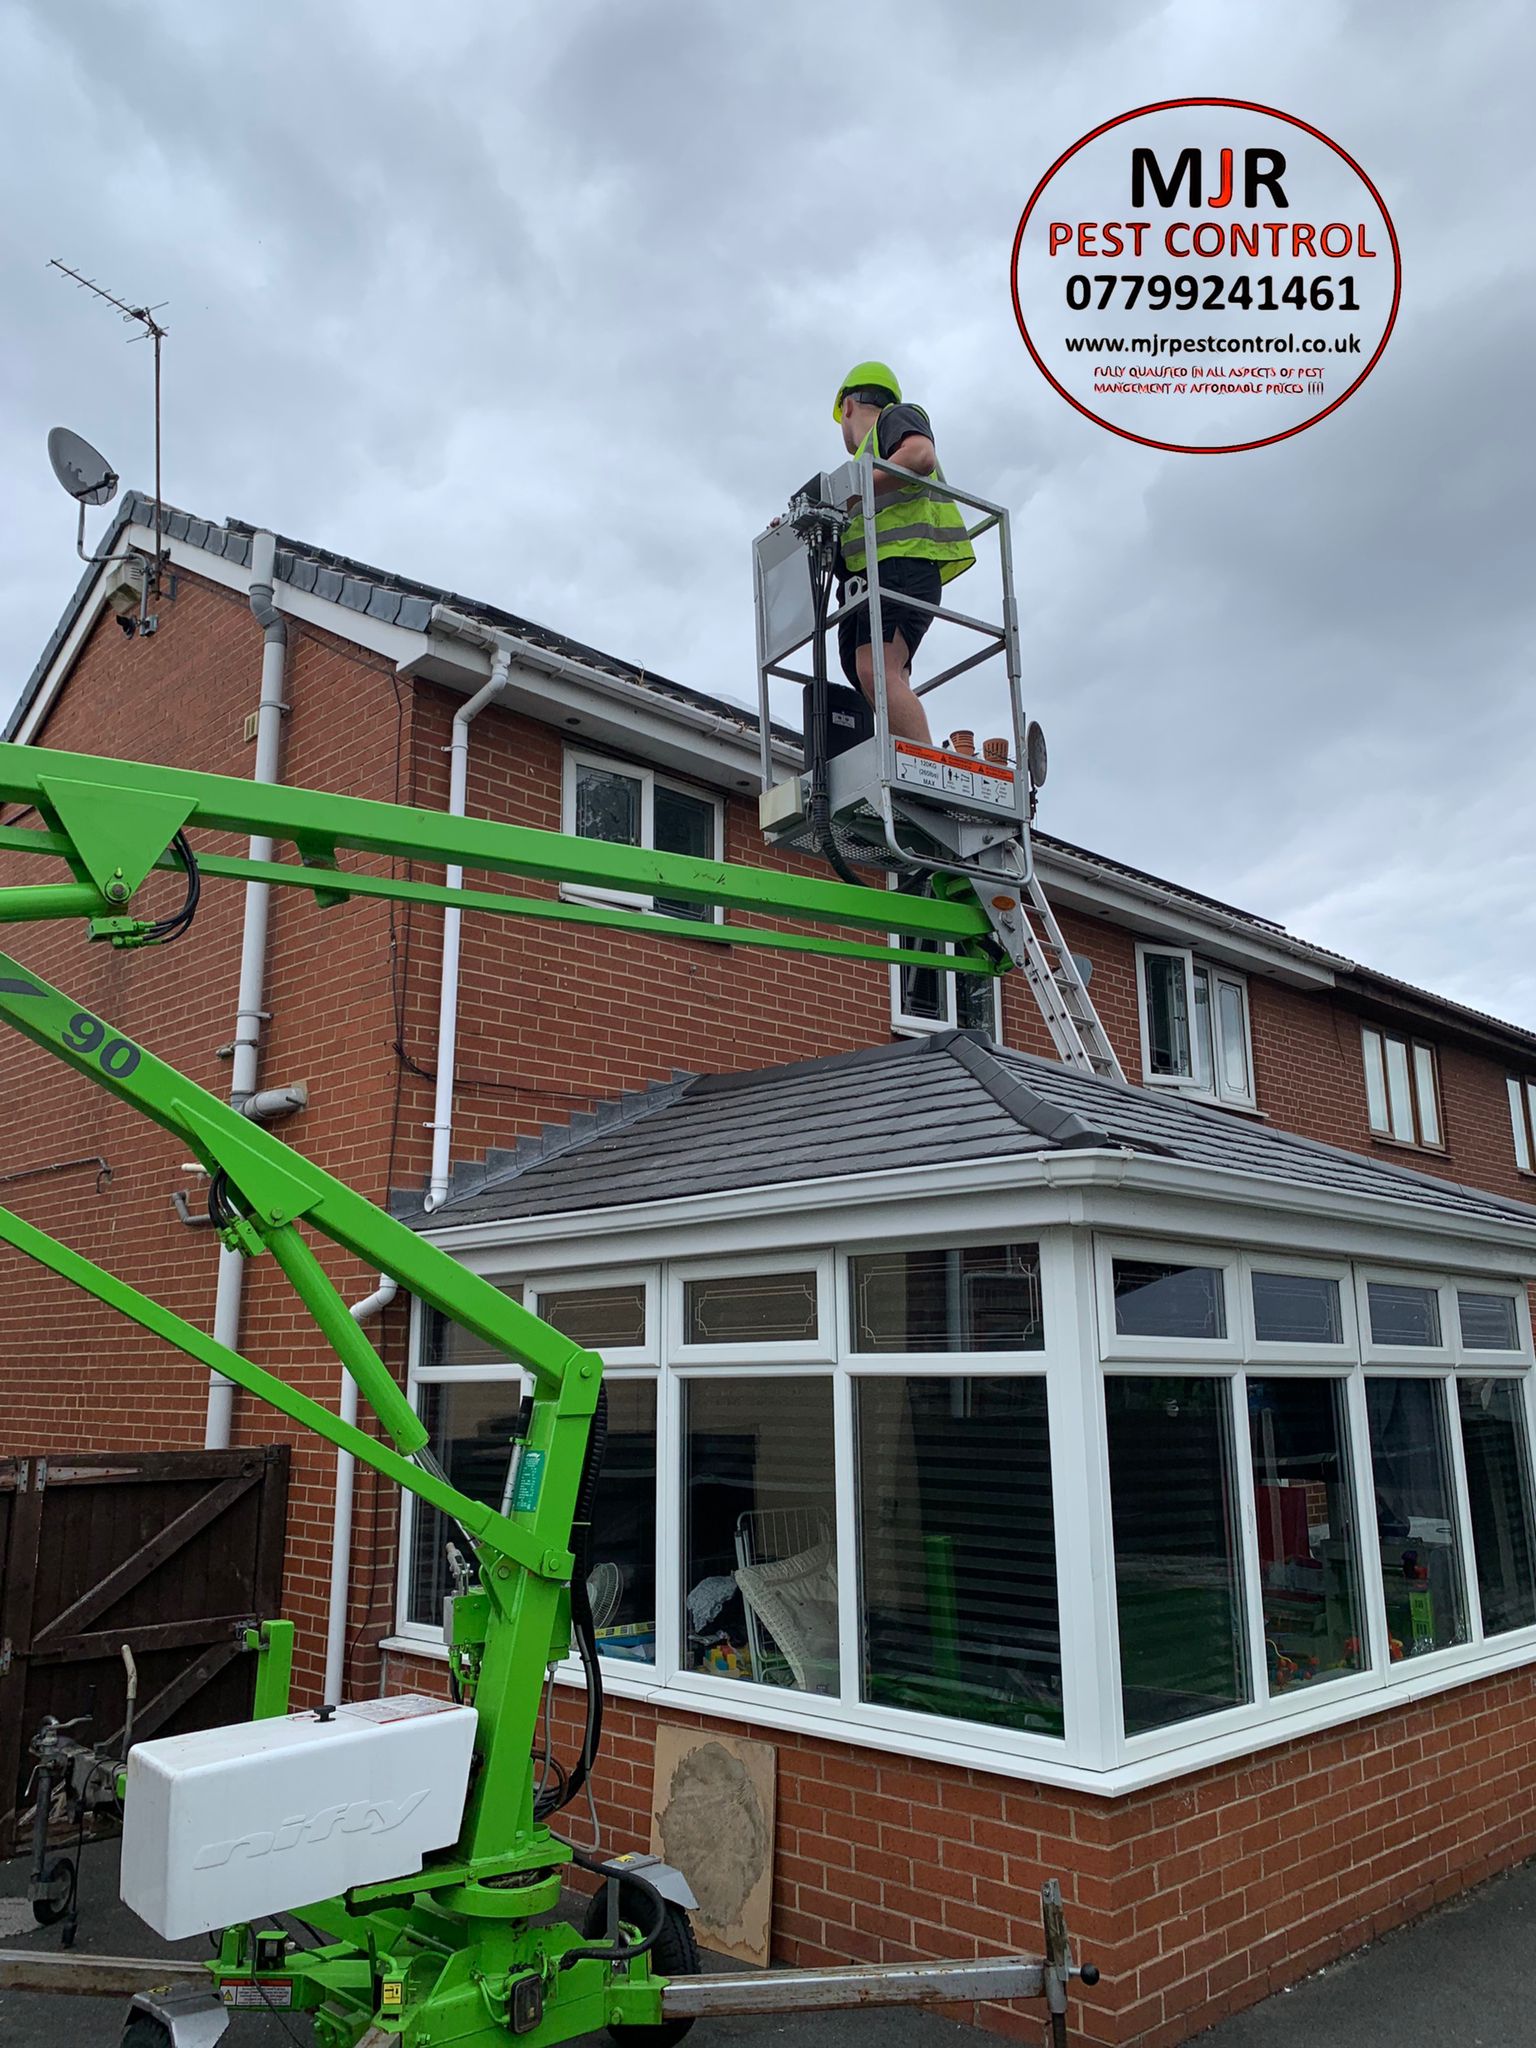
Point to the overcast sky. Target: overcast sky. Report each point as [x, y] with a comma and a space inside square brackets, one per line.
[547, 304]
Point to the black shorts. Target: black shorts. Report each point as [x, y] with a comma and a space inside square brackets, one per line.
[908, 574]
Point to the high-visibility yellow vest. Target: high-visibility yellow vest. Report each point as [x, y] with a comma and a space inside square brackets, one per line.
[912, 522]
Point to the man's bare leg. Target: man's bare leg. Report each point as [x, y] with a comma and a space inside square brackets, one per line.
[903, 707]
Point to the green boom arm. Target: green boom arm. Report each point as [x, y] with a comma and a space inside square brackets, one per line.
[112, 824]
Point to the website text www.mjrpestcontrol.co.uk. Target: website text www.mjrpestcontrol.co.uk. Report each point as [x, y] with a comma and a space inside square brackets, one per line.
[1286, 379]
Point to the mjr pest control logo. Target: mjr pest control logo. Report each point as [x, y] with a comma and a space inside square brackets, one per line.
[1206, 275]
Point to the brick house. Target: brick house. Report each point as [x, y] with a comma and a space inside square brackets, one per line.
[1179, 1800]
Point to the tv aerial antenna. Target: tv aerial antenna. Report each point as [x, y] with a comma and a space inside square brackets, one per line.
[86, 474]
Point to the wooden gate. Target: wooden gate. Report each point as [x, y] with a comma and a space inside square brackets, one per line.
[174, 1553]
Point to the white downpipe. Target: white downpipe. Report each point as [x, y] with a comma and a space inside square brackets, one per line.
[453, 921]
[249, 1010]
[341, 1523]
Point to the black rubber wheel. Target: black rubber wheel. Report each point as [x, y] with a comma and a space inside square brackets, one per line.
[143, 2030]
[60, 1880]
[676, 1953]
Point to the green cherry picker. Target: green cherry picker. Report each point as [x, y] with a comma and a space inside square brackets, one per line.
[418, 1840]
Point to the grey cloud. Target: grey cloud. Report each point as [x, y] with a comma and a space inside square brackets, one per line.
[547, 304]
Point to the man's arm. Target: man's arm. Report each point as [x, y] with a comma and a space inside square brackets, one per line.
[906, 437]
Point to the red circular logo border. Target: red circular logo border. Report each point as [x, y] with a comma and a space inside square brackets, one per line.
[1180, 447]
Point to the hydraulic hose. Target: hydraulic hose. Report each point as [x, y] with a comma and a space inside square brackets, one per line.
[583, 1628]
[623, 1951]
[823, 561]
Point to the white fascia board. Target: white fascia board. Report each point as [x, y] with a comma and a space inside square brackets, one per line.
[399, 645]
[621, 715]
[1154, 913]
[69, 649]
[1103, 1189]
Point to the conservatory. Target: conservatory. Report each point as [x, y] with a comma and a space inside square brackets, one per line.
[969, 1409]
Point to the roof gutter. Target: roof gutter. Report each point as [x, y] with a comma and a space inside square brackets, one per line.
[528, 654]
[1109, 1170]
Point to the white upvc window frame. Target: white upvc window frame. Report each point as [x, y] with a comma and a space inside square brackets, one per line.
[1305, 1357]
[1192, 1354]
[558, 1281]
[906, 1023]
[1470, 1357]
[490, 1372]
[1418, 1052]
[749, 1355]
[1430, 1356]
[1521, 1090]
[1075, 1265]
[649, 780]
[1216, 974]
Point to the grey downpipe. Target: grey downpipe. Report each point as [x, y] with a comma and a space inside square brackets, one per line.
[250, 1012]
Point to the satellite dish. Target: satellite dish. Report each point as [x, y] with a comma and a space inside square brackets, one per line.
[86, 474]
[1035, 755]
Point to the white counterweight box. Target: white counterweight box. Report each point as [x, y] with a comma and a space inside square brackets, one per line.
[226, 1824]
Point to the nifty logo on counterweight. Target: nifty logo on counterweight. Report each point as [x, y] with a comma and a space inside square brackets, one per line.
[361, 1817]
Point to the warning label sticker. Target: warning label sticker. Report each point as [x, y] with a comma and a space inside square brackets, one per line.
[404, 1706]
[246, 1991]
[954, 775]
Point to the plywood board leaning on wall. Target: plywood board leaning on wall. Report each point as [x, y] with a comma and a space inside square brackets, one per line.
[712, 1816]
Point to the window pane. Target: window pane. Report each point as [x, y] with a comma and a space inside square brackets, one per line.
[1402, 1314]
[1424, 1085]
[975, 1002]
[1204, 1036]
[1314, 1617]
[1517, 1127]
[608, 806]
[1178, 1581]
[761, 1553]
[1154, 1300]
[1399, 1093]
[957, 1550]
[979, 1298]
[1375, 1081]
[1488, 1321]
[472, 1424]
[1233, 1038]
[923, 989]
[447, 1343]
[1168, 1036]
[1415, 1516]
[681, 823]
[1499, 1482]
[603, 1318]
[1297, 1308]
[757, 1308]
[622, 1583]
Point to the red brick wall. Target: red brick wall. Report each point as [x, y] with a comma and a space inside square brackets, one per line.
[1194, 1899]
[552, 1019]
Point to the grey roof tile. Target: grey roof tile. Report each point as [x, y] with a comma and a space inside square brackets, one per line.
[328, 584]
[944, 1099]
[415, 614]
[384, 604]
[354, 593]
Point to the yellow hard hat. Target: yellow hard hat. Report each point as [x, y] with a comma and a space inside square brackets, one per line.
[862, 374]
